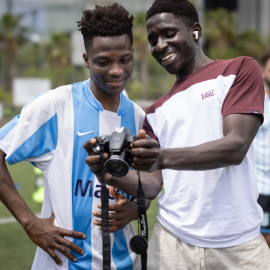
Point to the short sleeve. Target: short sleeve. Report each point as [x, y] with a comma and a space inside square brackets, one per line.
[148, 129]
[32, 134]
[247, 92]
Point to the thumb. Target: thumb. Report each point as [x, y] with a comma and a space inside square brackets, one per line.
[117, 196]
[142, 134]
[114, 193]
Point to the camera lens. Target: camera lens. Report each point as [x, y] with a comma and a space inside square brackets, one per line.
[116, 166]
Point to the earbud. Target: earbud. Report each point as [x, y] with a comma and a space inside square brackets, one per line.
[196, 33]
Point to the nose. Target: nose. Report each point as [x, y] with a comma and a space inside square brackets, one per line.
[115, 70]
[161, 45]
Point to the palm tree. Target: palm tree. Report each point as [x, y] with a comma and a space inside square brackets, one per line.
[12, 37]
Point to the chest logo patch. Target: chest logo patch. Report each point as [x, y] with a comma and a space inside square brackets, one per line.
[82, 134]
[208, 94]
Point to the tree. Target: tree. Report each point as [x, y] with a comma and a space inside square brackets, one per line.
[58, 50]
[224, 41]
[252, 44]
[57, 62]
[220, 28]
[141, 49]
[12, 37]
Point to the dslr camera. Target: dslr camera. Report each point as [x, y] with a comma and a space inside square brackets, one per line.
[117, 145]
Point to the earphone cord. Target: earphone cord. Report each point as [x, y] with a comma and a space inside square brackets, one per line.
[105, 217]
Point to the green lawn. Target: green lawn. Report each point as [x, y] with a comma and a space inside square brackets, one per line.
[16, 250]
[23, 175]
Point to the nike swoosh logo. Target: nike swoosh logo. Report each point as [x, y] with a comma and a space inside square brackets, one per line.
[82, 134]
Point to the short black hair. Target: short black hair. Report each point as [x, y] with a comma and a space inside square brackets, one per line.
[265, 57]
[111, 20]
[182, 9]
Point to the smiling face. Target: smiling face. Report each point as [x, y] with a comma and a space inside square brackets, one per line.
[110, 60]
[172, 42]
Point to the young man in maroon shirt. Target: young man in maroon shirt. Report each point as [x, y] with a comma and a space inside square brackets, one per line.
[201, 132]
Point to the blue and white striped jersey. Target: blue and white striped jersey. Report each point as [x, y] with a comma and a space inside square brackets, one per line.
[50, 133]
[261, 145]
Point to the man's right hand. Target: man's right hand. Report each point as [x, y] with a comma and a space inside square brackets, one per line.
[146, 155]
[47, 236]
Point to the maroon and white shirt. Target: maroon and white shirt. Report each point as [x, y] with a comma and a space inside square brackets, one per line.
[216, 208]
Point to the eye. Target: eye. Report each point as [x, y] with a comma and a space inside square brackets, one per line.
[170, 35]
[102, 63]
[126, 60]
[153, 42]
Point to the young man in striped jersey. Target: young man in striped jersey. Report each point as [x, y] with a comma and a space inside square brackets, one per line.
[51, 132]
[200, 151]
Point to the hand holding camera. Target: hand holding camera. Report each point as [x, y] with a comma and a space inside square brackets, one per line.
[141, 152]
[146, 154]
[118, 147]
[116, 153]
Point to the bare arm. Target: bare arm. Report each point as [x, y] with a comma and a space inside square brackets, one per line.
[239, 131]
[41, 231]
[10, 196]
[151, 183]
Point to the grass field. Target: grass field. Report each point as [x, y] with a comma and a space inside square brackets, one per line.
[16, 250]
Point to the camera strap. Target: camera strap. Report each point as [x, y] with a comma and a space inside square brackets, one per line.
[143, 219]
[142, 242]
[105, 217]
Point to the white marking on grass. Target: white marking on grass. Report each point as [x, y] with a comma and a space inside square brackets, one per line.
[8, 220]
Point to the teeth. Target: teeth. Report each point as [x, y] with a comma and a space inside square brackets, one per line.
[168, 57]
[115, 81]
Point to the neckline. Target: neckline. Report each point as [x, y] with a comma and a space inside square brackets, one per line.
[109, 112]
[195, 72]
[94, 102]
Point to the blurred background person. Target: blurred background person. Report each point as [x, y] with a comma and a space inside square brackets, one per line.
[262, 152]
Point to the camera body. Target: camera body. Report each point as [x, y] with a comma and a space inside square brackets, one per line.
[117, 145]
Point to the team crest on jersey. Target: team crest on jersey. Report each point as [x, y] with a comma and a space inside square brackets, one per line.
[208, 94]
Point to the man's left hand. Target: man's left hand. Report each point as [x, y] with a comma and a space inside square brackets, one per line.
[124, 212]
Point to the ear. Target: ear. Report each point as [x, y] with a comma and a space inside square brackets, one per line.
[86, 60]
[197, 31]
